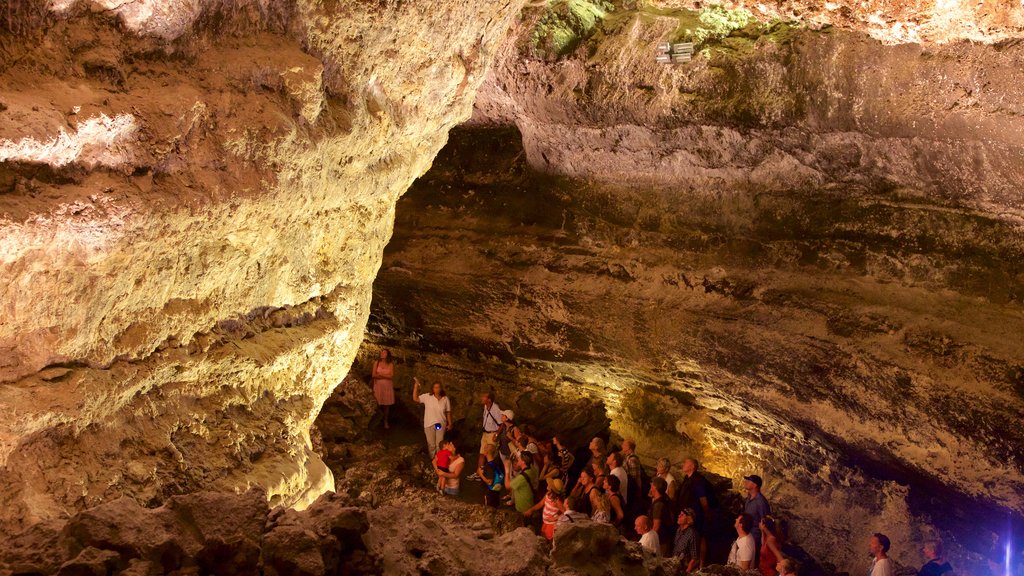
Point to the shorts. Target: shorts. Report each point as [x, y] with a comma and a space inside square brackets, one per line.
[548, 530]
[488, 439]
[451, 491]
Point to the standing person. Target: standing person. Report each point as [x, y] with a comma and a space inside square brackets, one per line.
[757, 506]
[636, 491]
[685, 547]
[611, 486]
[936, 565]
[437, 414]
[455, 466]
[615, 465]
[563, 458]
[581, 492]
[506, 442]
[493, 473]
[880, 563]
[743, 551]
[648, 535]
[771, 547]
[695, 492]
[384, 384]
[663, 469]
[491, 423]
[597, 452]
[521, 486]
[660, 514]
[551, 508]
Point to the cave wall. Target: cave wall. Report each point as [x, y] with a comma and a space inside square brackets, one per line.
[195, 198]
[798, 254]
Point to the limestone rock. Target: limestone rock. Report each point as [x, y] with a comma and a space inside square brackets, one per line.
[193, 204]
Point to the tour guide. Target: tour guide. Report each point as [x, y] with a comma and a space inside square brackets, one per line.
[437, 414]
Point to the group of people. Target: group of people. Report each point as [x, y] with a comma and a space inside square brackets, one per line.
[542, 480]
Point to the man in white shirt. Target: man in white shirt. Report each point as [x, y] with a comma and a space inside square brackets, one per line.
[742, 553]
[880, 564]
[614, 463]
[491, 423]
[437, 414]
[648, 535]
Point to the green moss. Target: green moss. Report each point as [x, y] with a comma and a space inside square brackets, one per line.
[565, 24]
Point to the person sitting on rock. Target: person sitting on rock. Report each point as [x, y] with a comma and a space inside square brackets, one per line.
[455, 466]
[936, 566]
[880, 563]
[493, 473]
[551, 507]
[742, 553]
[648, 535]
[686, 544]
[614, 494]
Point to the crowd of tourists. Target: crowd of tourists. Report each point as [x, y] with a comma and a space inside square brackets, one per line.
[549, 486]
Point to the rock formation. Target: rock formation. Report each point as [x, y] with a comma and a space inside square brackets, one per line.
[195, 197]
[846, 328]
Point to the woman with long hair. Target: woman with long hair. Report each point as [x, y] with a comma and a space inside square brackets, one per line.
[384, 384]
[771, 551]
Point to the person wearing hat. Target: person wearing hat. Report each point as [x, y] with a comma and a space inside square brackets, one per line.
[756, 505]
[552, 507]
[685, 546]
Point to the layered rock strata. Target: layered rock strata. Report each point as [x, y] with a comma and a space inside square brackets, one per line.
[858, 349]
[194, 203]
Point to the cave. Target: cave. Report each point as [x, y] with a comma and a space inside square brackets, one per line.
[781, 238]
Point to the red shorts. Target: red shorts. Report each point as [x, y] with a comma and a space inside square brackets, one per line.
[548, 531]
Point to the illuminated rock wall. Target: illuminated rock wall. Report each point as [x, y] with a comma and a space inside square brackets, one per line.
[797, 254]
[193, 205]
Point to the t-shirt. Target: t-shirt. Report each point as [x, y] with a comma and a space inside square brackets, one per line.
[492, 418]
[522, 493]
[881, 567]
[651, 542]
[551, 510]
[497, 474]
[662, 510]
[434, 409]
[933, 568]
[443, 458]
[620, 473]
[758, 508]
[743, 551]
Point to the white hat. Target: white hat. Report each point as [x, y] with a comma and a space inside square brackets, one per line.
[508, 414]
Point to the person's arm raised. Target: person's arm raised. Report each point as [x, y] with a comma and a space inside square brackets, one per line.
[415, 389]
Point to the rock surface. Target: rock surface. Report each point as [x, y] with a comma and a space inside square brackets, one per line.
[836, 342]
[194, 197]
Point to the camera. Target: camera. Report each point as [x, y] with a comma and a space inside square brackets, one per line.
[437, 426]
